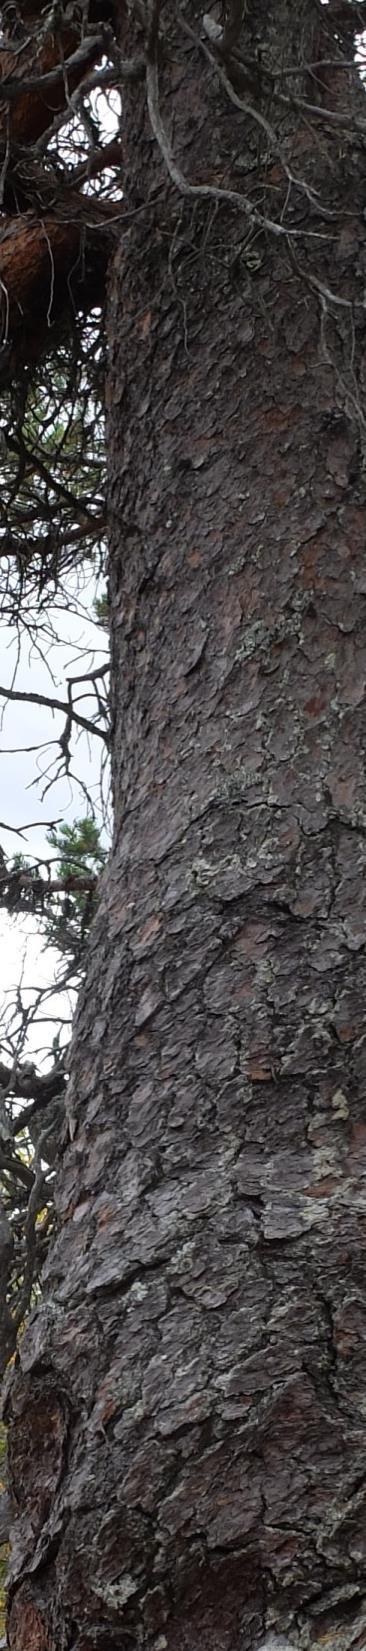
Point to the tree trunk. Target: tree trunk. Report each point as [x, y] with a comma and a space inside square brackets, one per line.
[187, 1448]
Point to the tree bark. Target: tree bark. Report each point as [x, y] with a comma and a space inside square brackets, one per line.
[54, 243]
[187, 1442]
[43, 262]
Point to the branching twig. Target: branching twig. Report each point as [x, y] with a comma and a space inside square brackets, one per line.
[254, 114]
[211, 192]
[55, 705]
[7, 1327]
[14, 86]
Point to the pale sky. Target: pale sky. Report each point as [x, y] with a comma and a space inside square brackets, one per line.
[23, 773]
[23, 779]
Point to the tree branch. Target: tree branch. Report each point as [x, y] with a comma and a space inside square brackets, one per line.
[15, 86]
[24, 1082]
[56, 705]
[210, 192]
[5, 1522]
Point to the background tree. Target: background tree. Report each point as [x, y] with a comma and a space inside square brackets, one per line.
[195, 1370]
[61, 894]
[81, 856]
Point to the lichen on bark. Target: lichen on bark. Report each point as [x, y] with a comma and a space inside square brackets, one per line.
[199, 1357]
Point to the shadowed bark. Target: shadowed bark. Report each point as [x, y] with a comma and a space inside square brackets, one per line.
[54, 243]
[26, 114]
[187, 1442]
[46, 264]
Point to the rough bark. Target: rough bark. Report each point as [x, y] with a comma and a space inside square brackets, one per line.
[48, 265]
[187, 1449]
[25, 115]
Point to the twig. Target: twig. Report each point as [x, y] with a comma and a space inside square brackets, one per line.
[52, 263]
[55, 705]
[204, 191]
[13, 85]
[254, 114]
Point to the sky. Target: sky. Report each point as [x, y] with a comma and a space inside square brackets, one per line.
[24, 775]
[82, 645]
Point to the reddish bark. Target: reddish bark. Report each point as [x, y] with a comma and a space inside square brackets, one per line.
[44, 261]
[48, 252]
[31, 114]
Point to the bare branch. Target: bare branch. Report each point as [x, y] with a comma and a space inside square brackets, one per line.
[5, 1522]
[56, 705]
[250, 110]
[207, 192]
[35, 1203]
[25, 1082]
[7, 1326]
[16, 86]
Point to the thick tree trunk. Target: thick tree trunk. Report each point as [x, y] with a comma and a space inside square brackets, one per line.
[188, 1450]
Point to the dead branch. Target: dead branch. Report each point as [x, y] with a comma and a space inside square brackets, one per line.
[59, 75]
[35, 1203]
[57, 705]
[55, 71]
[5, 1521]
[7, 1328]
[23, 1082]
[211, 191]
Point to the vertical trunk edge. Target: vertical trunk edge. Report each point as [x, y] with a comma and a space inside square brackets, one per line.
[187, 1416]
